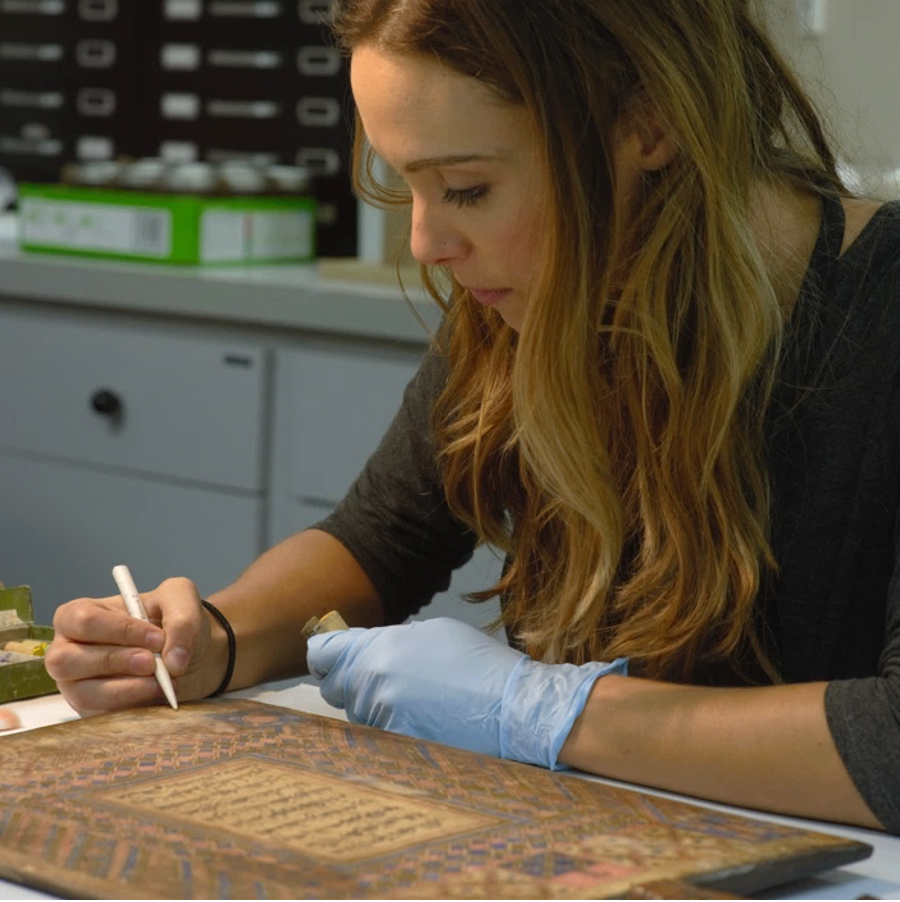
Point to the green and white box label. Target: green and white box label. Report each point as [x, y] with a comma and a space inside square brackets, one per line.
[121, 229]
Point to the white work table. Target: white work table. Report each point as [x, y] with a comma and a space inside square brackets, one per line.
[877, 876]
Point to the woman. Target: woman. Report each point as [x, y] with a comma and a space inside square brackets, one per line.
[664, 388]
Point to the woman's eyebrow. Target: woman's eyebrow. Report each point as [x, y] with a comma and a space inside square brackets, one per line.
[448, 160]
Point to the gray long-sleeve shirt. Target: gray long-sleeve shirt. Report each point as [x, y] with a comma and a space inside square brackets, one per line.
[833, 612]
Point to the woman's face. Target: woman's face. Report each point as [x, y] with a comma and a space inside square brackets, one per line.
[472, 166]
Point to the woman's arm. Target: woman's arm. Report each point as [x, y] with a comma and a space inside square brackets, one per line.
[820, 750]
[768, 748]
[306, 575]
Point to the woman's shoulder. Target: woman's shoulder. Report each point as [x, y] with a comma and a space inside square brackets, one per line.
[871, 233]
[850, 308]
[866, 280]
[860, 212]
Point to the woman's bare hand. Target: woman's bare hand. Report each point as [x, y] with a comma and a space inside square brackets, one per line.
[103, 659]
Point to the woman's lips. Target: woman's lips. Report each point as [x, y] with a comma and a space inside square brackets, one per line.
[489, 297]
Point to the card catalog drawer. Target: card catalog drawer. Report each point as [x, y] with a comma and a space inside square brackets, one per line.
[167, 404]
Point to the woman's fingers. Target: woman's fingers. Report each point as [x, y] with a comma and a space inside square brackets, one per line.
[67, 660]
[177, 603]
[104, 621]
[95, 677]
[103, 659]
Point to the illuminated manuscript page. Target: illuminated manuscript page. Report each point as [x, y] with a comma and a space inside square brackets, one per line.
[237, 799]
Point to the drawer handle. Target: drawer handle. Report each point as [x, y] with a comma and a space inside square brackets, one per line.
[107, 403]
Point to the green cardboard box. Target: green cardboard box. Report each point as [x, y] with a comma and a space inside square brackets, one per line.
[26, 676]
[165, 228]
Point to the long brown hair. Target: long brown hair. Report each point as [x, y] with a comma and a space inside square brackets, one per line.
[614, 447]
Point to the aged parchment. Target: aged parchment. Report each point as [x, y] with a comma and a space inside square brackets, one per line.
[235, 799]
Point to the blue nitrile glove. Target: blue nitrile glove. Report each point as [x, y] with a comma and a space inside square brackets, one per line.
[447, 681]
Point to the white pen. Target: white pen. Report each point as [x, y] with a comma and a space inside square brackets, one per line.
[135, 607]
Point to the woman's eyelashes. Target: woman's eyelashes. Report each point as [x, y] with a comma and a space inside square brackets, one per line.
[465, 197]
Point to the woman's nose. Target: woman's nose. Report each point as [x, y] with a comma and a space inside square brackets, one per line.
[434, 241]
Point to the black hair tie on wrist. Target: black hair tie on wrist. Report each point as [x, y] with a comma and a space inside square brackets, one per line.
[232, 646]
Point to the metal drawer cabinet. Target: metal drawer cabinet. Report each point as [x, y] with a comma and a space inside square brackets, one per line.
[119, 445]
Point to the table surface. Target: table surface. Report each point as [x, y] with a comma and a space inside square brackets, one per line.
[335, 297]
[876, 877]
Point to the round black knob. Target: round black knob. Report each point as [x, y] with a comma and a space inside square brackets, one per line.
[107, 403]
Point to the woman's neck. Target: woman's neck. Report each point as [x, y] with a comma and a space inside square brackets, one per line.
[787, 222]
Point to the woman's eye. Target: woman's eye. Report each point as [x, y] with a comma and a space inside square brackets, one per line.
[465, 197]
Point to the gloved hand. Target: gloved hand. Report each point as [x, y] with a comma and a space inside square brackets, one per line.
[444, 680]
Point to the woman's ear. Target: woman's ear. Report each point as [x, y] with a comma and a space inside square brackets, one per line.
[645, 140]
[643, 143]
[658, 146]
